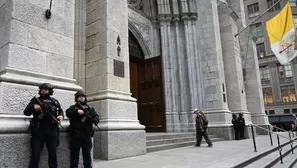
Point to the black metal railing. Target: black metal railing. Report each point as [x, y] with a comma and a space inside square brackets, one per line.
[270, 132]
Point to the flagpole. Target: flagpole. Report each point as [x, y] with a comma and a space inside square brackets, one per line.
[258, 17]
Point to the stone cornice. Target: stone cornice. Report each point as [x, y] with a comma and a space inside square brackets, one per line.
[20, 124]
[18, 76]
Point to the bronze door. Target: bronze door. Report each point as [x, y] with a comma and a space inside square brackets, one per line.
[151, 111]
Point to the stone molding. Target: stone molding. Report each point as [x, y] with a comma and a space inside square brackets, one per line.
[20, 124]
[110, 94]
[18, 76]
[119, 124]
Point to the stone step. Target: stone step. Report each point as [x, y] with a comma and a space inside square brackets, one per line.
[259, 160]
[169, 141]
[157, 136]
[268, 159]
[177, 145]
[288, 159]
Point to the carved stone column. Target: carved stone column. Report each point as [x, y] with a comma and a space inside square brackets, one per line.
[277, 97]
[108, 83]
[294, 68]
[80, 42]
[214, 78]
[181, 75]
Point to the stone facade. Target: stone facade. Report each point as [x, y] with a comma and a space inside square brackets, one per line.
[85, 46]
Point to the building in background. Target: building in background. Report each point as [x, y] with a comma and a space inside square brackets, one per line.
[279, 82]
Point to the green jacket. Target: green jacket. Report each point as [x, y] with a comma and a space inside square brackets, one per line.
[199, 121]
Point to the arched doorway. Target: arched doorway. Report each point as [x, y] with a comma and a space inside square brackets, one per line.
[146, 86]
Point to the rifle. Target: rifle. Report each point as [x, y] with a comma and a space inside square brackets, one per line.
[35, 100]
[87, 115]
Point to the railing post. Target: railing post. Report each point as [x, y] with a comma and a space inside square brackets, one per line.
[291, 142]
[254, 140]
[280, 150]
[271, 142]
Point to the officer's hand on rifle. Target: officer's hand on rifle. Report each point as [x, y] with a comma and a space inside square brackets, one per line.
[37, 107]
[80, 112]
[60, 118]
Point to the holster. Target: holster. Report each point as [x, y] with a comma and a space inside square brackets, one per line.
[34, 125]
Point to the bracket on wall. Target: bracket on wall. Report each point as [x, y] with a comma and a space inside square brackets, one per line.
[118, 40]
[48, 13]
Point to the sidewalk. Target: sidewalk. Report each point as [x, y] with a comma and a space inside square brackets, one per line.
[223, 154]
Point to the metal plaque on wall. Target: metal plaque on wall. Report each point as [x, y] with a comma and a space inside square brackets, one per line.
[118, 68]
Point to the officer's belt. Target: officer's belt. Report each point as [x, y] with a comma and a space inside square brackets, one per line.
[80, 133]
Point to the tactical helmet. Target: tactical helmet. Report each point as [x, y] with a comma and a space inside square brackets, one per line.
[79, 93]
[46, 86]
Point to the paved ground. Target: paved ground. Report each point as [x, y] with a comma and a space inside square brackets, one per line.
[223, 154]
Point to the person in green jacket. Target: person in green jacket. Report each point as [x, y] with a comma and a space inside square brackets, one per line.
[201, 128]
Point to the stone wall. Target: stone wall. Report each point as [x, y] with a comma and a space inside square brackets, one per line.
[33, 50]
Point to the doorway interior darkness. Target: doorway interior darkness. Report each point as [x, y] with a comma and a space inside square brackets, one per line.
[146, 86]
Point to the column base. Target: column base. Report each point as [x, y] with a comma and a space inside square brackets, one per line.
[120, 135]
[222, 131]
[110, 145]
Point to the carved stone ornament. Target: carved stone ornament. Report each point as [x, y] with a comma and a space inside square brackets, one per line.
[138, 4]
[118, 40]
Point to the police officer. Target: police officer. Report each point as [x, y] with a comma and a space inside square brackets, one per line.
[235, 126]
[241, 125]
[82, 117]
[201, 128]
[44, 127]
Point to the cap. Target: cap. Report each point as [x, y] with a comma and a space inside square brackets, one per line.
[195, 110]
[79, 93]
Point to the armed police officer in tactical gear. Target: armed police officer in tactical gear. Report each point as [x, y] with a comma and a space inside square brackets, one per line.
[44, 127]
[201, 128]
[82, 117]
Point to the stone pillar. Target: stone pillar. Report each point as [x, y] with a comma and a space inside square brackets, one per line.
[190, 71]
[294, 69]
[107, 81]
[250, 65]
[233, 63]
[215, 91]
[277, 97]
[253, 87]
[173, 75]
[181, 77]
[80, 42]
[33, 50]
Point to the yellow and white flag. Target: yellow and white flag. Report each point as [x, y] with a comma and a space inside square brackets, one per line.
[281, 34]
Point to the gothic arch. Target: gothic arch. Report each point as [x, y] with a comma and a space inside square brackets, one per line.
[134, 30]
